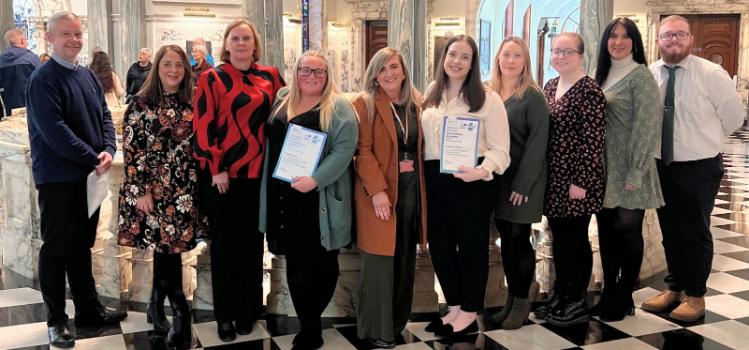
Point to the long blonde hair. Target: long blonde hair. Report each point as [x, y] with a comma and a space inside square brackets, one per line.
[371, 87]
[330, 93]
[525, 81]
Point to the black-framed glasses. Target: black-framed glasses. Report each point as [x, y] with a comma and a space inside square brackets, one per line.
[306, 71]
[563, 52]
[678, 35]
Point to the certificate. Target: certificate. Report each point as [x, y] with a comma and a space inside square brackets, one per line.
[460, 141]
[300, 153]
[97, 188]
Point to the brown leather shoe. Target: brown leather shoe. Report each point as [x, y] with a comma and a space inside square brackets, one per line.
[664, 301]
[690, 309]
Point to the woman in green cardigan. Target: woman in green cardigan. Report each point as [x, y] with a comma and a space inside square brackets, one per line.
[309, 219]
[633, 125]
[521, 188]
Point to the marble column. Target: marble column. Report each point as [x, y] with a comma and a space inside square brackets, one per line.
[316, 30]
[408, 34]
[268, 18]
[594, 15]
[6, 19]
[132, 33]
[98, 25]
[496, 291]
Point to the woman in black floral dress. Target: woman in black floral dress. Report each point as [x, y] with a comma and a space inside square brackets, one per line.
[575, 184]
[157, 199]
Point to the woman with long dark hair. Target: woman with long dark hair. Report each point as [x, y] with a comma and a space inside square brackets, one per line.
[633, 124]
[157, 201]
[110, 81]
[459, 204]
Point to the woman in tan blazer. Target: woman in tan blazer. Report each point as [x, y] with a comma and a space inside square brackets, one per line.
[389, 196]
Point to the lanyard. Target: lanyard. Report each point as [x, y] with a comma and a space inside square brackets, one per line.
[404, 129]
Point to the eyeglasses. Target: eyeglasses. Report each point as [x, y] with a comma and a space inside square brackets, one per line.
[306, 71]
[563, 52]
[678, 35]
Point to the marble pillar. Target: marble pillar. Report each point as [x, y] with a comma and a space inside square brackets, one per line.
[268, 18]
[6, 19]
[408, 34]
[496, 291]
[594, 16]
[132, 33]
[316, 30]
[203, 295]
[98, 25]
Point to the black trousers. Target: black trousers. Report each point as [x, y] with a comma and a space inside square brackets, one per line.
[458, 224]
[573, 259]
[68, 235]
[689, 189]
[236, 249]
[518, 256]
[621, 245]
[312, 273]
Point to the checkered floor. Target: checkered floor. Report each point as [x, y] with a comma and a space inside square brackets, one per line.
[725, 325]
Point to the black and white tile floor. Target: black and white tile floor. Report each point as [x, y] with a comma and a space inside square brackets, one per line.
[725, 325]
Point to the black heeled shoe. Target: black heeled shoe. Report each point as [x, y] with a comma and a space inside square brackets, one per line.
[447, 330]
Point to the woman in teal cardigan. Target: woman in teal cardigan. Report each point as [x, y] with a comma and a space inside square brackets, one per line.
[633, 126]
[309, 219]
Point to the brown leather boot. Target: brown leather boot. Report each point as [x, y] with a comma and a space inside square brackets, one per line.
[690, 309]
[664, 301]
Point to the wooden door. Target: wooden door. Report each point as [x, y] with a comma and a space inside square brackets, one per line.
[377, 37]
[716, 38]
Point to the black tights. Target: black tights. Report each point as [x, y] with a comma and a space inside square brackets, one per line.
[573, 259]
[518, 256]
[620, 239]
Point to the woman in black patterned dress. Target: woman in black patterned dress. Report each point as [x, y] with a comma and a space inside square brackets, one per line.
[575, 185]
[157, 199]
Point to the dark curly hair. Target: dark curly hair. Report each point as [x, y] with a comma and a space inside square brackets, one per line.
[102, 67]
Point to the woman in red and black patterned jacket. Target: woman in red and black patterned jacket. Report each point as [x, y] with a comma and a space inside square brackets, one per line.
[231, 105]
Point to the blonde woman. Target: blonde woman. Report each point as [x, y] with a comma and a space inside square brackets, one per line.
[309, 219]
[521, 188]
[390, 197]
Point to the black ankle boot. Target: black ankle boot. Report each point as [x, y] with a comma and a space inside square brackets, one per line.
[155, 312]
[555, 299]
[572, 311]
[624, 306]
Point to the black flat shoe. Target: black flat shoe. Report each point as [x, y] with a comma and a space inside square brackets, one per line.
[381, 344]
[434, 325]
[447, 330]
[226, 332]
[61, 336]
[306, 342]
[105, 317]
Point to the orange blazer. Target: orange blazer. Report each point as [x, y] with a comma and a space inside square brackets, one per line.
[376, 164]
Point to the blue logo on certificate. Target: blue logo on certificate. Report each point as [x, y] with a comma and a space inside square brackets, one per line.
[459, 146]
[300, 154]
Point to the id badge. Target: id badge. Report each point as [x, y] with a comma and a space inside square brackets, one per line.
[406, 166]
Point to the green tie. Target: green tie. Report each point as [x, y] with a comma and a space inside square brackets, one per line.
[667, 143]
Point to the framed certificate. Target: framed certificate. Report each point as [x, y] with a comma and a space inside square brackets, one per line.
[300, 153]
[460, 142]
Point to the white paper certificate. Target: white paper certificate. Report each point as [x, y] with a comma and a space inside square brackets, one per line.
[460, 141]
[300, 153]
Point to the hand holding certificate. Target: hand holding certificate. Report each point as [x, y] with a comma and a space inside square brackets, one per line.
[300, 153]
[460, 139]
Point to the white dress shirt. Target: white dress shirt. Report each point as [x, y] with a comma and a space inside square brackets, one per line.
[707, 107]
[494, 130]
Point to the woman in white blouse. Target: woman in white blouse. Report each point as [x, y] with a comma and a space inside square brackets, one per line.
[459, 204]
